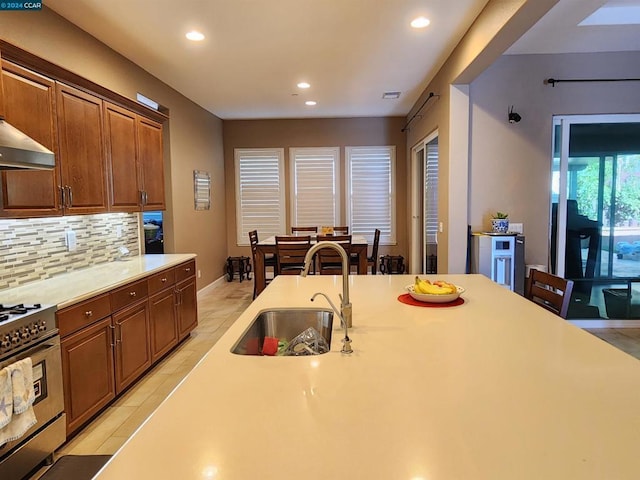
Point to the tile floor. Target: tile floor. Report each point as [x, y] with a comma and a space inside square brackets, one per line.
[217, 310]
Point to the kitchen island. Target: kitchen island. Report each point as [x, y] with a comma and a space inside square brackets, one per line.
[495, 388]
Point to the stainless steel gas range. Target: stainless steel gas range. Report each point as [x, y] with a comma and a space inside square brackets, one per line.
[29, 330]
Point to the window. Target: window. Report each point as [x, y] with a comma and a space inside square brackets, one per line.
[370, 191]
[259, 192]
[315, 199]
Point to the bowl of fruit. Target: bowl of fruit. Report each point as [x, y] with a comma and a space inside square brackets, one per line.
[438, 291]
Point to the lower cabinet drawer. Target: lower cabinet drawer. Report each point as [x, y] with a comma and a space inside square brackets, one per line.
[128, 294]
[74, 318]
[185, 270]
[161, 280]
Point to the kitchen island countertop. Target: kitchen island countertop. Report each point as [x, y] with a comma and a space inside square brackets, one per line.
[496, 388]
[67, 289]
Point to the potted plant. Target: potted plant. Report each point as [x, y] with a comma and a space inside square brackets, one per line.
[500, 222]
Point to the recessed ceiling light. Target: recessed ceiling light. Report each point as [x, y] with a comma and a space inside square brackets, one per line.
[420, 22]
[195, 36]
[391, 95]
[311, 103]
[303, 85]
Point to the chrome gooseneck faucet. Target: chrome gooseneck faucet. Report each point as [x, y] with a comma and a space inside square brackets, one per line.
[345, 306]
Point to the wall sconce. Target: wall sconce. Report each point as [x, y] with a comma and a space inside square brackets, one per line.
[513, 116]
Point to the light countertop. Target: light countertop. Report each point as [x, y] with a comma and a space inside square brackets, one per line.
[496, 388]
[73, 287]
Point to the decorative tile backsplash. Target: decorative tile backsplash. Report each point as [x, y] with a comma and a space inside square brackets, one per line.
[35, 248]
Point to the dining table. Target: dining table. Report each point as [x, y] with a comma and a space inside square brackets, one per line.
[267, 246]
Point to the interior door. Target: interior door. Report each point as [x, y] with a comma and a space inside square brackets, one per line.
[424, 205]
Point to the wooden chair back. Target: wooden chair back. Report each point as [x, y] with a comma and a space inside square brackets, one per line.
[304, 230]
[269, 260]
[330, 261]
[373, 259]
[290, 253]
[549, 291]
[341, 230]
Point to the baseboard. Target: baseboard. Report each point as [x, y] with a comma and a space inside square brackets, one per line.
[211, 286]
[605, 323]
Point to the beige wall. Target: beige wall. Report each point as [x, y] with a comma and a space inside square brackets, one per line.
[193, 141]
[325, 132]
[511, 163]
[496, 28]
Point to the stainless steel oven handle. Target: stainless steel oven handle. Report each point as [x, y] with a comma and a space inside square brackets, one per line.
[36, 352]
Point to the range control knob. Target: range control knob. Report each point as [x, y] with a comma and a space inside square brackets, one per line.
[5, 342]
[42, 325]
[15, 339]
[25, 333]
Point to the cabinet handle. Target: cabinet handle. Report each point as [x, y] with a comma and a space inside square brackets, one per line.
[62, 199]
[142, 197]
[112, 327]
[69, 196]
[163, 280]
[188, 269]
[178, 297]
[88, 313]
[132, 294]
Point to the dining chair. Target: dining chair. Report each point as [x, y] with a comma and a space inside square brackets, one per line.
[341, 230]
[549, 291]
[269, 260]
[304, 230]
[372, 260]
[329, 261]
[290, 253]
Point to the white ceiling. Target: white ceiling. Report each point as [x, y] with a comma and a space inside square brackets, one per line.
[350, 51]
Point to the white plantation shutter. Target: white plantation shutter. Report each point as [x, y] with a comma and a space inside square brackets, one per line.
[260, 201]
[431, 194]
[315, 200]
[371, 192]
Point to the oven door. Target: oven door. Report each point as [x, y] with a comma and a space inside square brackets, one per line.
[47, 381]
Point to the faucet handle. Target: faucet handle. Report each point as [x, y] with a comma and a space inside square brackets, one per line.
[346, 345]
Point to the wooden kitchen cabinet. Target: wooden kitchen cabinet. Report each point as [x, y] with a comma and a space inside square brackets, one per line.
[88, 372]
[164, 328]
[81, 151]
[109, 341]
[132, 352]
[186, 307]
[29, 100]
[135, 160]
[151, 163]
[120, 141]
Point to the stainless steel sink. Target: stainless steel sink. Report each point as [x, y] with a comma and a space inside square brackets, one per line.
[284, 324]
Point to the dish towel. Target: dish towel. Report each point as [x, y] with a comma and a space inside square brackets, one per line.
[6, 397]
[22, 416]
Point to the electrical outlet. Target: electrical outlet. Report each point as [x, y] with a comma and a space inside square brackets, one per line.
[440, 227]
[199, 274]
[118, 231]
[70, 238]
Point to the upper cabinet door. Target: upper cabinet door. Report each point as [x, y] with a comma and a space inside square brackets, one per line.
[150, 160]
[120, 132]
[82, 158]
[29, 103]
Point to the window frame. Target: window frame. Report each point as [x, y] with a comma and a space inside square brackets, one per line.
[386, 238]
[242, 237]
[337, 187]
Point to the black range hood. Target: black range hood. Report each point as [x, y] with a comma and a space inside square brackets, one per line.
[18, 151]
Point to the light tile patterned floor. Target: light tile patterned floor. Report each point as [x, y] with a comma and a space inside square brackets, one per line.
[217, 310]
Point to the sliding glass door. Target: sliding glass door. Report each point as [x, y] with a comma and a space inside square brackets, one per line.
[595, 217]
